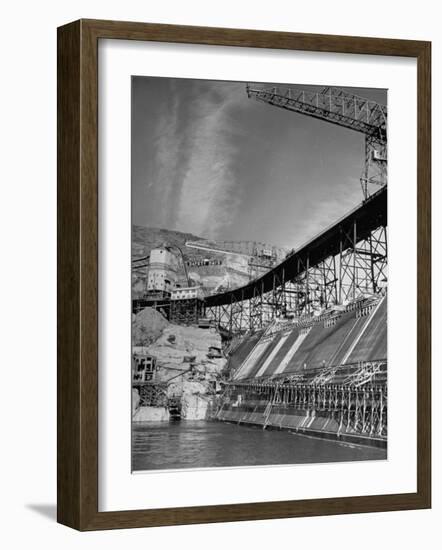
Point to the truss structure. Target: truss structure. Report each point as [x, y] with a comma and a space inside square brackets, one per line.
[353, 408]
[347, 260]
[362, 263]
[332, 105]
[343, 109]
[359, 269]
[375, 165]
[152, 394]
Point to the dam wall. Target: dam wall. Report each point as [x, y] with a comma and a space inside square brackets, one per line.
[324, 377]
[337, 338]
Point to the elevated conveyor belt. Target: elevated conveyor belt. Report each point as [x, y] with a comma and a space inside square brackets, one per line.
[360, 222]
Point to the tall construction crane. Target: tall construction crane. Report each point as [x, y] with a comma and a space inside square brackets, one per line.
[343, 109]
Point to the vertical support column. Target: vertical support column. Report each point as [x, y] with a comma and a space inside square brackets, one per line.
[354, 275]
[335, 284]
[364, 411]
[373, 282]
[381, 411]
[307, 288]
[365, 171]
[250, 311]
[261, 306]
[242, 310]
[340, 267]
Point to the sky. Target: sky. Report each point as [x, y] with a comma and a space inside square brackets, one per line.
[208, 160]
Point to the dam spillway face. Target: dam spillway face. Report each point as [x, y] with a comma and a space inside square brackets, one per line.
[325, 376]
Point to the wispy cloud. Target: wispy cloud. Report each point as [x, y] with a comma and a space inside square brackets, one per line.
[209, 195]
[209, 161]
[192, 178]
[168, 165]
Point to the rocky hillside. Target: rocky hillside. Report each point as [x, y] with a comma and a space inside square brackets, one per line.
[227, 271]
[184, 362]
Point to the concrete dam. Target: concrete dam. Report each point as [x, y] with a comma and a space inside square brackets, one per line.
[322, 377]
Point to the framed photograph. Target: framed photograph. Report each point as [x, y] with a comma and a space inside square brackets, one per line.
[243, 275]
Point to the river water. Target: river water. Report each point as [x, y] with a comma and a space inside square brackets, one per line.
[205, 444]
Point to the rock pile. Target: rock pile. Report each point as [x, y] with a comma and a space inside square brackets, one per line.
[147, 326]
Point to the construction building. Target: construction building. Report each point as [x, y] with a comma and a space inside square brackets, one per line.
[187, 305]
[162, 272]
[144, 368]
[163, 265]
[187, 293]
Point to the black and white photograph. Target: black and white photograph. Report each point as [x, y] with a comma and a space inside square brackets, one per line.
[226, 218]
[259, 274]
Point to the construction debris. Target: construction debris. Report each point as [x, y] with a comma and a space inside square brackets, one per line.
[189, 365]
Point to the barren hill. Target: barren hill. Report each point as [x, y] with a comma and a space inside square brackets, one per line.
[227, 271]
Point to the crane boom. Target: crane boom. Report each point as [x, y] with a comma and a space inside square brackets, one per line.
[343, 109]
[332, 105]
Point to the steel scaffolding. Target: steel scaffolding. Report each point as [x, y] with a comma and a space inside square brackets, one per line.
[357, 406]
[346, 261]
